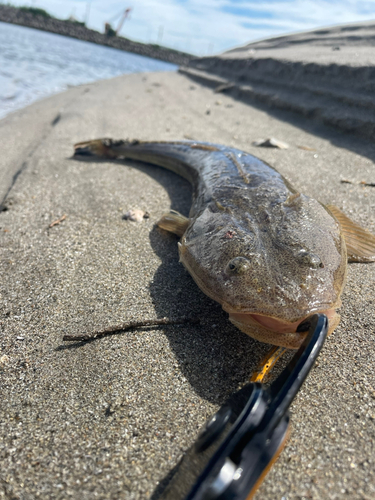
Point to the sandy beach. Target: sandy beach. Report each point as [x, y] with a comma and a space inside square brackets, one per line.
[110, 419]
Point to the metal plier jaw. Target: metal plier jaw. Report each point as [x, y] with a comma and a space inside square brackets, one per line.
[239, 444]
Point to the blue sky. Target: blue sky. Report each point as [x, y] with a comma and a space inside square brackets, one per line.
[209, 26]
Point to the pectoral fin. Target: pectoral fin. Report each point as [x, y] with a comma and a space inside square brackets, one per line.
[360, 243]
[174, 222]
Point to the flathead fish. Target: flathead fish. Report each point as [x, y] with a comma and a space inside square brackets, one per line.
[270, 255]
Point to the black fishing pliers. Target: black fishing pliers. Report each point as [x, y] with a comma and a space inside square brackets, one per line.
[239, 444]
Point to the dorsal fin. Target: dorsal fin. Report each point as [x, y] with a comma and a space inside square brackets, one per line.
[360, 243]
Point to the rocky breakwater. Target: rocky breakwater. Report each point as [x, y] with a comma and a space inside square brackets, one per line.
[327, 75]
[9, 14]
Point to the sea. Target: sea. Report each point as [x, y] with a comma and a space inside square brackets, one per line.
[35, 64]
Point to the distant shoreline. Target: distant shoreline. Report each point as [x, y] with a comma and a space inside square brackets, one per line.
[14, 15]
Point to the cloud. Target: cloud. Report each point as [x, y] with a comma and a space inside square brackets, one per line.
[202, 26]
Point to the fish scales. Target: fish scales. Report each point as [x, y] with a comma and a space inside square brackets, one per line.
[268, 254]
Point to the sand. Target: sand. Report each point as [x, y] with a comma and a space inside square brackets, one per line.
[111, 418]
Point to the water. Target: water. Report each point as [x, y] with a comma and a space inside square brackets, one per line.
[35, 64]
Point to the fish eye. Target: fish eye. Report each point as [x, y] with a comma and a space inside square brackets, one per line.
[238, 265]
[310, 259]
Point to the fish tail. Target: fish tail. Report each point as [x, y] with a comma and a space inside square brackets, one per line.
[107, 148]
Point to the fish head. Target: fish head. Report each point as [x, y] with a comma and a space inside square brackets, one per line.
[269, 266]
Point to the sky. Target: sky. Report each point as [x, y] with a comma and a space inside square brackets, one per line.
[204, 27]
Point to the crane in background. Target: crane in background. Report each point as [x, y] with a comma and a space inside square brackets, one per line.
[109, 31]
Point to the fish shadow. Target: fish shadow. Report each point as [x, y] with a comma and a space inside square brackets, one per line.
[214, 357]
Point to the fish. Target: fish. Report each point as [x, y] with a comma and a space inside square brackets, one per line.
[269, 254]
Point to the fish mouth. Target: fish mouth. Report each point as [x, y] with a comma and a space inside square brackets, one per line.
[279, 332]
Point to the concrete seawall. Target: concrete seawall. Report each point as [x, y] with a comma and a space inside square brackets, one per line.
[327, 75]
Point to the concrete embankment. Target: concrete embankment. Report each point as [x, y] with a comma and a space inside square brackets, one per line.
[9, 14]
[327, 75]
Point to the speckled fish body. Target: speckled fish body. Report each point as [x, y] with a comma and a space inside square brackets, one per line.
[268, 254]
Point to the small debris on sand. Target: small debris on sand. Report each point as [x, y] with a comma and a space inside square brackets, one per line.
[56, 222]
[306, 148]
[5, 206]
[271, 143]
[4, 360]
[362, 183]
[136, 215]
[224, 86]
